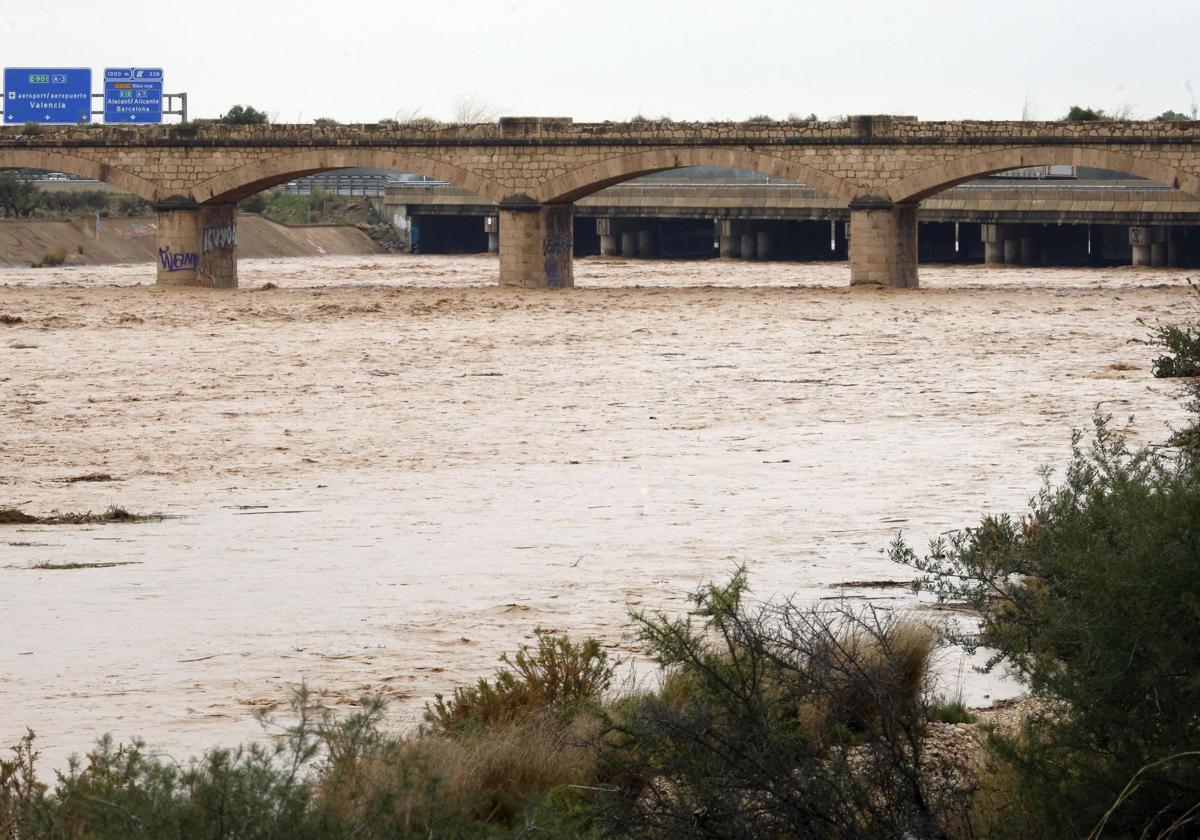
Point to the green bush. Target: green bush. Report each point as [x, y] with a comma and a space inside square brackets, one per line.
[324, 779]
[778, 721]
[256, 203]
[1092, 599]
[1180, 343]
[557, 675]
[1081, 114]
[243, 115]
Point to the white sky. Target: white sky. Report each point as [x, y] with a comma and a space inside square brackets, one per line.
[362, 60]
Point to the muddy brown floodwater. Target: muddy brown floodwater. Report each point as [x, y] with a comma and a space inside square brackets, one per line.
[387, 471]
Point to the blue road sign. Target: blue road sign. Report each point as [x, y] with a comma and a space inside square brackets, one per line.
[133, 95]
[52, 96]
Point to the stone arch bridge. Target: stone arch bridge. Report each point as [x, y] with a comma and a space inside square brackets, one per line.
[534, 168]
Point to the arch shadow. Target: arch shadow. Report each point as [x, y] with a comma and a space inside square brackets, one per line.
[236, 184]
[594, 177]
[927, 182]
[57, 161]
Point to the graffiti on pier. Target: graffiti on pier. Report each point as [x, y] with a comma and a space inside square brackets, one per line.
[222, 238]
[182, 261]
[559, 243]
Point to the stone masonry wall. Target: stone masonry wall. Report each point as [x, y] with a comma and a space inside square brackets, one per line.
[555, 160]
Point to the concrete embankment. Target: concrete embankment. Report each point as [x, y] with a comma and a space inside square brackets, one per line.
[131, 240]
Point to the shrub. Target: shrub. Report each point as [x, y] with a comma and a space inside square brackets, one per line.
[1081, 114]
[556, 675]
[1093, 601]
[256, 203]
[1180, 343]
[501, 776]
[243, 115]
[55, 256]
[777, 721]
[132, 205]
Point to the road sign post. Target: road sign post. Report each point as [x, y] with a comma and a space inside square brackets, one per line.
[50, 96]
[133, 95]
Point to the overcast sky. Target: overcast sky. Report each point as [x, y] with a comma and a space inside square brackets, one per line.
[363, 60]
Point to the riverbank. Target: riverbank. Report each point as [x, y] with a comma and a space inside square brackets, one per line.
[130, 239]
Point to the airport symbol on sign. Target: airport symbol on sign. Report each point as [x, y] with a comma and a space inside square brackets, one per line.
[51, 96]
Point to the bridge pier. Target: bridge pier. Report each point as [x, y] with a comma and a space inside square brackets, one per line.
[883, 243]
[537, 244]
[197, 245]
[628, 241]
[1148, 245]
[762, 245]
[993, 243]
[749, 248]
[647, 245]
[730, 239]
[610, 239]
[491, 226]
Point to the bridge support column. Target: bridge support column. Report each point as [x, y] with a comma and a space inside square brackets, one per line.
[762, 245]
[731, 242]
[993, 243]
[1012, 251]
[646, 246]
[749, 249]
[1029, 251]
[1174, 251]
[1144, 239]
[883, 243]
[536, 245]
[609, 240]
[491, 226]
[628, 243]
[197, 245]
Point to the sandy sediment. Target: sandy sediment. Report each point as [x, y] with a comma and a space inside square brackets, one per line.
[385, 471]
[131, 240]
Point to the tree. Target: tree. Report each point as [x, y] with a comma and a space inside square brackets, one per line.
[17, 198]
[325, 121]
[243, 115]
[1171, 116]
[1092, 599]
[1080, 114]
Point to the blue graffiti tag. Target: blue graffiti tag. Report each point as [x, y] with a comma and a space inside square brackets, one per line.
[178, 262]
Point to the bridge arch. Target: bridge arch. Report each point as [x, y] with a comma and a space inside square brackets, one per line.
[57, 161]
[927, 182]
[585, 180]
[236, 184]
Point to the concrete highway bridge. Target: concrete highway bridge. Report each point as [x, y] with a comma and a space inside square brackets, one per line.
[691, 213]
[880, 168]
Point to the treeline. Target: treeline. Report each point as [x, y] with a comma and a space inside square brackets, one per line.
[317, 207]
[776, 720]
[22, 199]
[1079, 113]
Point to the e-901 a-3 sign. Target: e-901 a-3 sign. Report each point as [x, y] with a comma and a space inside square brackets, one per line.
[51, 96]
